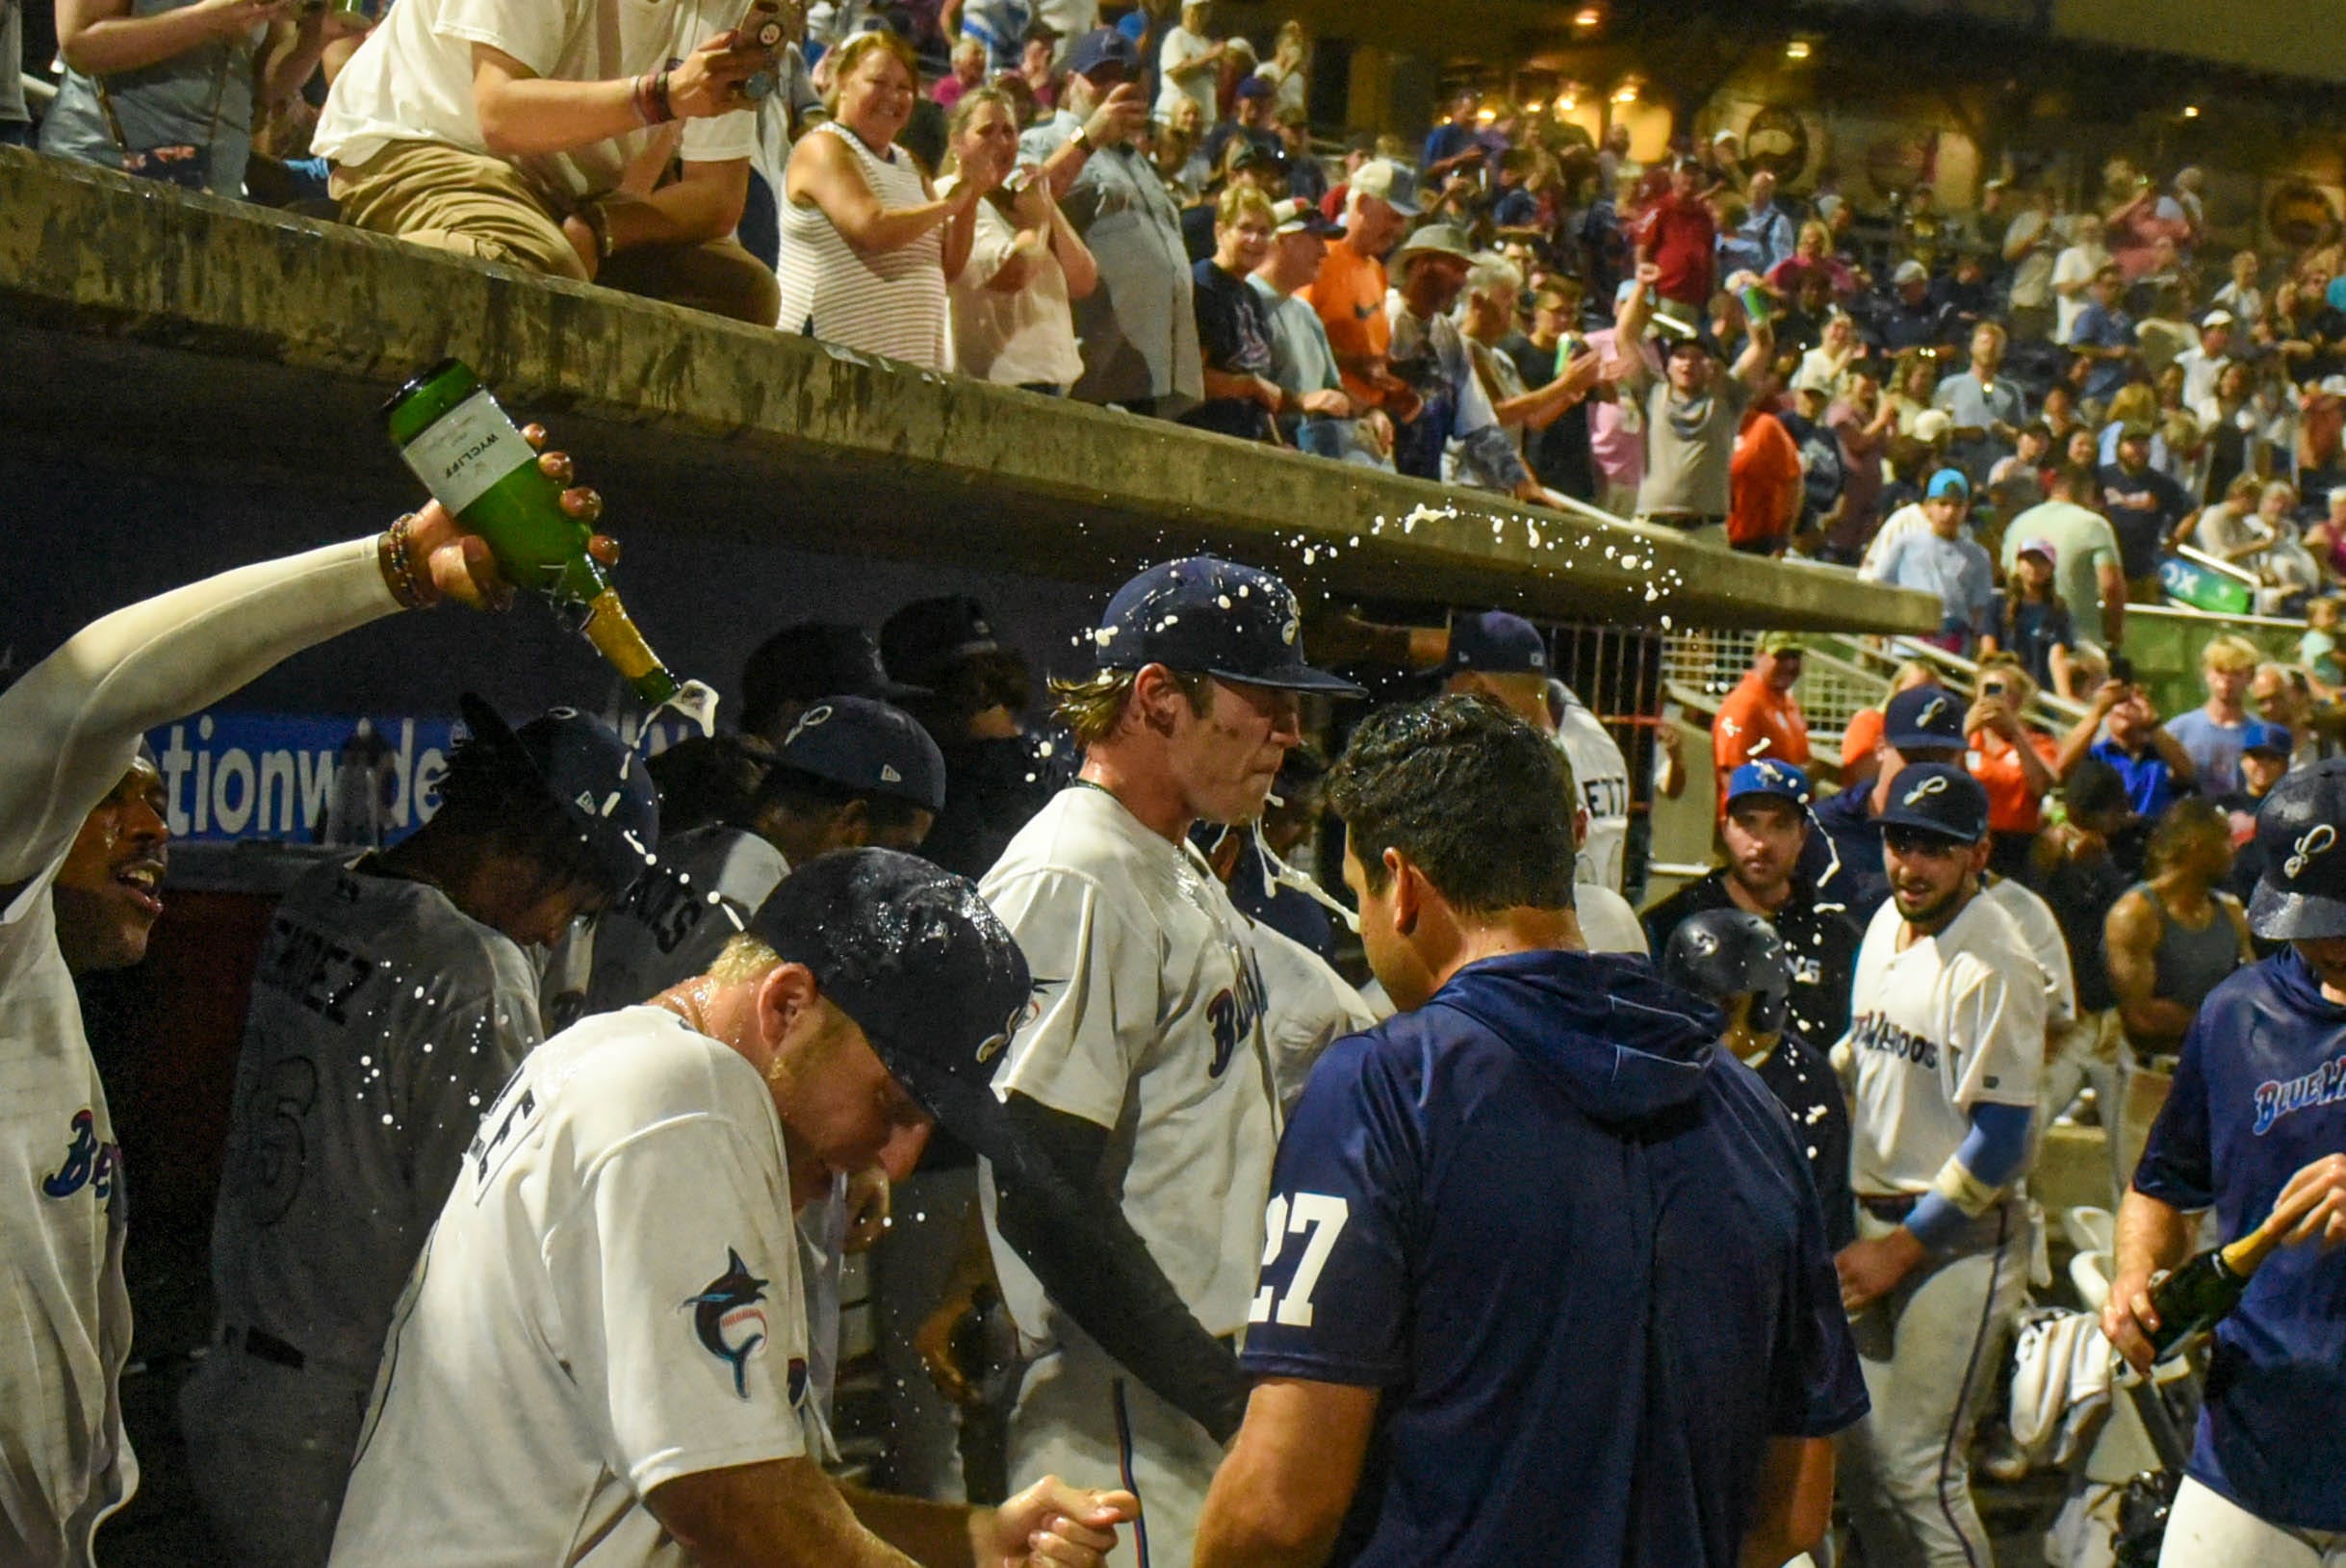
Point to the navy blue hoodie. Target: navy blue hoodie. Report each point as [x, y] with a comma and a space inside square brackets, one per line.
[2259, 1094]
[1576, 1247]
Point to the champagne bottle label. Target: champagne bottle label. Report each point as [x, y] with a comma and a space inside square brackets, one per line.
[465, 451]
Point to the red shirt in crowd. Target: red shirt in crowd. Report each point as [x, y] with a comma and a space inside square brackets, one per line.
[1681, 239]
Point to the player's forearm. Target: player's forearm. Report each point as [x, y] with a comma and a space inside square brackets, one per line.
[2151, 1235]
[74, 721]
[1098, 1270]
[933, 1534]
[1796, 1501]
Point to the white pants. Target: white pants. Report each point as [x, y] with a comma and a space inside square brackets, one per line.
[2207, 1529]
[1930, 1352]
[1083, 1418]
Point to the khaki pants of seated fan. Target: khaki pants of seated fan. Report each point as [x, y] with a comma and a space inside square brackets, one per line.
[433, 195]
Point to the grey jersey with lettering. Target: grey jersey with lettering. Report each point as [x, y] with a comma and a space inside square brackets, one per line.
[672, 924]
[382, 1022]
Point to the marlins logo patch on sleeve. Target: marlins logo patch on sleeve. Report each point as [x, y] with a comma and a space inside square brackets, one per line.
[728, 1320]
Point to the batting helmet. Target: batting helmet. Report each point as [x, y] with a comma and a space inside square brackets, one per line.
[1722, 954]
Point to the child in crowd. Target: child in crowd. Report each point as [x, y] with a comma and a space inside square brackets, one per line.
[2318, 649]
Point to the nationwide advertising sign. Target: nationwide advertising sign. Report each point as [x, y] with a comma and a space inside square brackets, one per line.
[315, 778]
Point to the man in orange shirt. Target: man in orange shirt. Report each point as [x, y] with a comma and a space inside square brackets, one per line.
[1761, 717]
[1764, 485]
[1349, 293]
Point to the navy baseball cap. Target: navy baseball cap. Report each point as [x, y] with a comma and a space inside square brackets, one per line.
[925, 968]
[924, 639]
[1923, 718]
[1949, 482]
[1937, 797]
[1205, 616]
[2256, 736]
[1255, 87]
[812, 659]
[1781, 780]
[1103, 46]
[596, 777]
[867, 747]
[2302, 894]
[1496, 643]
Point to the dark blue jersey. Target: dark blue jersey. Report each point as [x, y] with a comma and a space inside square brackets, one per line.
[1842, 858]
[1576, 1247]
[2259, 1094]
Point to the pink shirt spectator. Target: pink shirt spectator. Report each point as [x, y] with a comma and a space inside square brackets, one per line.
[1616, 445]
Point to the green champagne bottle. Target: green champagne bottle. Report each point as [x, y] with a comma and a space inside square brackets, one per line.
[472, 459]
[2200, 1294]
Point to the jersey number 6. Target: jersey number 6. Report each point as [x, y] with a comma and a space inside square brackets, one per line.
[1316, 1215]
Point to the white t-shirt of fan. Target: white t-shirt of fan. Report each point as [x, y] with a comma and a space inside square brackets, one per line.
[610, 1301]
[412, 80]
[1954, 1020]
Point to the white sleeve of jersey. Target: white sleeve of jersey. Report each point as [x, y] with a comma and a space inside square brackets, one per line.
[1307, 1006]
[682, 1320]
[2042, 933]
[1096, 982]
[1996, 1035]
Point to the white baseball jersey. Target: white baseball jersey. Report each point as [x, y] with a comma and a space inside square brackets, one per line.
[1602, 773]
[383, 1020]
[1149, 1022]
[675, 920]
[1954, 1020]
[1607, 923]
[65, 1315]
[610, 1300]
[1307, 1006]
[2041, 936]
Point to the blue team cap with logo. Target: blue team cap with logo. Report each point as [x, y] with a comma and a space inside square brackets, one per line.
[1938, 798]
[1923, 718]
[1781, 780]
[868, 747]
[1496, 643]
[599, 781]
[1100, 47]
[1206, 616]
[2256, 736]
[1949, 482]
[2302, 894]
[925, 968]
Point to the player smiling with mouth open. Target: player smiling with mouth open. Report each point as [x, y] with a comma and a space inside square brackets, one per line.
[109, 891]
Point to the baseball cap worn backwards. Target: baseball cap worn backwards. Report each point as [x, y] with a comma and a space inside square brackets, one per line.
[925, 968]
[1938, 798]
[2302, 894]
[594, 776]
[1208, 616]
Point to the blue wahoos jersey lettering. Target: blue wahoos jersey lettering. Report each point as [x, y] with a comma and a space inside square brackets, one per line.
[2256, 1098]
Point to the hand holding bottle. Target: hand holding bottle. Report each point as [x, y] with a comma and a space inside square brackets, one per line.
[2148, 1317]
[450, 561]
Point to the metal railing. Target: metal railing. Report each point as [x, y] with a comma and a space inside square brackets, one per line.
[1840, 676]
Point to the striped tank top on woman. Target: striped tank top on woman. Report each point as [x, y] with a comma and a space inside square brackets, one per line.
[892, 303]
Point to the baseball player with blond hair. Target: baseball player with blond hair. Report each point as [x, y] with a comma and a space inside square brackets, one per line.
[1144, 1073]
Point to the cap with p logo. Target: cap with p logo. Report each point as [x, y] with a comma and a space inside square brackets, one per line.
[2302, 895]
[1937, 798]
